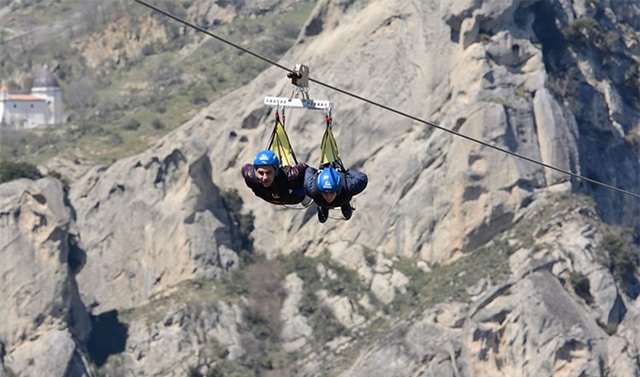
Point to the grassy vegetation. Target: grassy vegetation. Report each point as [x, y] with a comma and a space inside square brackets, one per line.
[521, 91]
[632, 86]
[119, 109]
[257, 287]
[624, 258]
[500, 101]
[583, 31]
[450, 282]
[339, 282]
[590, 37]
[556, 206]
[618, 249]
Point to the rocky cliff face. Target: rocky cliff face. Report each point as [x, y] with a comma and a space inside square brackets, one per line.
[460, 260]
[152, 221]
[46, 324]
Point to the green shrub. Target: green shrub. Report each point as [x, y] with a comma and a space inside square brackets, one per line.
[157, 124]
[10, 171]
[326, 326]
[234, 284]
[199, 98]
[304, 267]
[622, 259]
[609, 328]
[149, 49]
[582, 32]
[612, 41]
[243, 222]
[370, 257]
[580, 284]
[521, 91]
[632, 81]
[131, 124]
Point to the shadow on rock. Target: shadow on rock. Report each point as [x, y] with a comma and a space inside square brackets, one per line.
[108, 336]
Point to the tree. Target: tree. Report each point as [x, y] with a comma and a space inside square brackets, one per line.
[81, 95]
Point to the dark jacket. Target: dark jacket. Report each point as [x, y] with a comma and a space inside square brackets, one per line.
[353, 183]
[286, 188]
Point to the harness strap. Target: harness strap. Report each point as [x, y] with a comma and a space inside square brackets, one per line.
[279, 142]
[329, 155]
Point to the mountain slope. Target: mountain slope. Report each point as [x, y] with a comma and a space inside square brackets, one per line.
[459, 260]
[129, 77]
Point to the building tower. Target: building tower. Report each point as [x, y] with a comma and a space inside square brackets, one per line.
[46, 86]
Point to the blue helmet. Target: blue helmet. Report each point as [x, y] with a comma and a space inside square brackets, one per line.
[266, 158]
[329, 180]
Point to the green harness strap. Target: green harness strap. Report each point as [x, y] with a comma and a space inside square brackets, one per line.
[329, 154]
[280, 145]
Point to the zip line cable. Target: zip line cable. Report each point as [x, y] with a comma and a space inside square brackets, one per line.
[387, 108]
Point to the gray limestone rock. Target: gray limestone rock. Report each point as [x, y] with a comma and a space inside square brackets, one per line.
[149, 222]
[482, 70]
[45, 323]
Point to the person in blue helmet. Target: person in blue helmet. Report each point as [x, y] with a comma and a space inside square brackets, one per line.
[274, 183]
[331, 188]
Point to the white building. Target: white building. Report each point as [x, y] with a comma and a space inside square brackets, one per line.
[42, 107]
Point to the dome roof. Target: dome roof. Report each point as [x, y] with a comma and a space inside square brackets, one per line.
[45, 78]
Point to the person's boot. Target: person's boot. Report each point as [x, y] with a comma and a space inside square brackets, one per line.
[323, 214]
[347, 211]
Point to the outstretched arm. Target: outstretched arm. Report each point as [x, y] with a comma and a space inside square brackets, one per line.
[296, 175]
[310, 182]
[356, 181]
[249, 175]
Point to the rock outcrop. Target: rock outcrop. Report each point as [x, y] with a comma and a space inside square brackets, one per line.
[45, 324]
[550, 286]
[498, 87]
[149, 222]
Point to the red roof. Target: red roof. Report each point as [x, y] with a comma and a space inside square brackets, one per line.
[24, 97]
